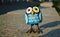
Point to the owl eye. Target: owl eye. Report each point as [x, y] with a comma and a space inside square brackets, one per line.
[29, 10]
[36, 9]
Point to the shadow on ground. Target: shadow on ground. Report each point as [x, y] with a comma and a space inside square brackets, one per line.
[10, 7]
[51, 24]
[54, 33]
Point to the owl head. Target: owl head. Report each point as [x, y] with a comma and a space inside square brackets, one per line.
[32, 10]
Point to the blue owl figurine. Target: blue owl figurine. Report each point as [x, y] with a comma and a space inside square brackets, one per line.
[33, 16]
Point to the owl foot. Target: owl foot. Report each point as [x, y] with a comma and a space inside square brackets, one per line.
[39, 31]
[31, 30]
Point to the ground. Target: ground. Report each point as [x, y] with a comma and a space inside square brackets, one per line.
[12, 24]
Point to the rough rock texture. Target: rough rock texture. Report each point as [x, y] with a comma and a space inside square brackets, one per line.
[12, 24]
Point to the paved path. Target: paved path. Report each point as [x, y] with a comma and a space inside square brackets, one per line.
[12, 24]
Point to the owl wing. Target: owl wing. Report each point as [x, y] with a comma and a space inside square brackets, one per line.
[40, 16]
[26, 18]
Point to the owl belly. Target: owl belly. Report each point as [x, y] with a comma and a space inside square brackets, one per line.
[33, 19]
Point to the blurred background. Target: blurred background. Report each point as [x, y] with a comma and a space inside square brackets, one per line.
[56, 3]
[12, 18]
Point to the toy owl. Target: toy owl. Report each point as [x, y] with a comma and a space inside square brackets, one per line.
[33, 16]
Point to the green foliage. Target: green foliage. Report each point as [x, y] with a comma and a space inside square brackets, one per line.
[58, 2]
[57, 6]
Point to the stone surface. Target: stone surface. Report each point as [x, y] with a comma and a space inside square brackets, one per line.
[12, 24]
[47, 4]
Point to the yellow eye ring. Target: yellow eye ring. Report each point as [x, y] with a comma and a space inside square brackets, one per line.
[36, 9]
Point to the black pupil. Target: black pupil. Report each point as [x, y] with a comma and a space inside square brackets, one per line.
[35, 9]
[28, 9]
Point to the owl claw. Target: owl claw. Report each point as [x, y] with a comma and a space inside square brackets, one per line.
[39, 31]
[31, 30]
